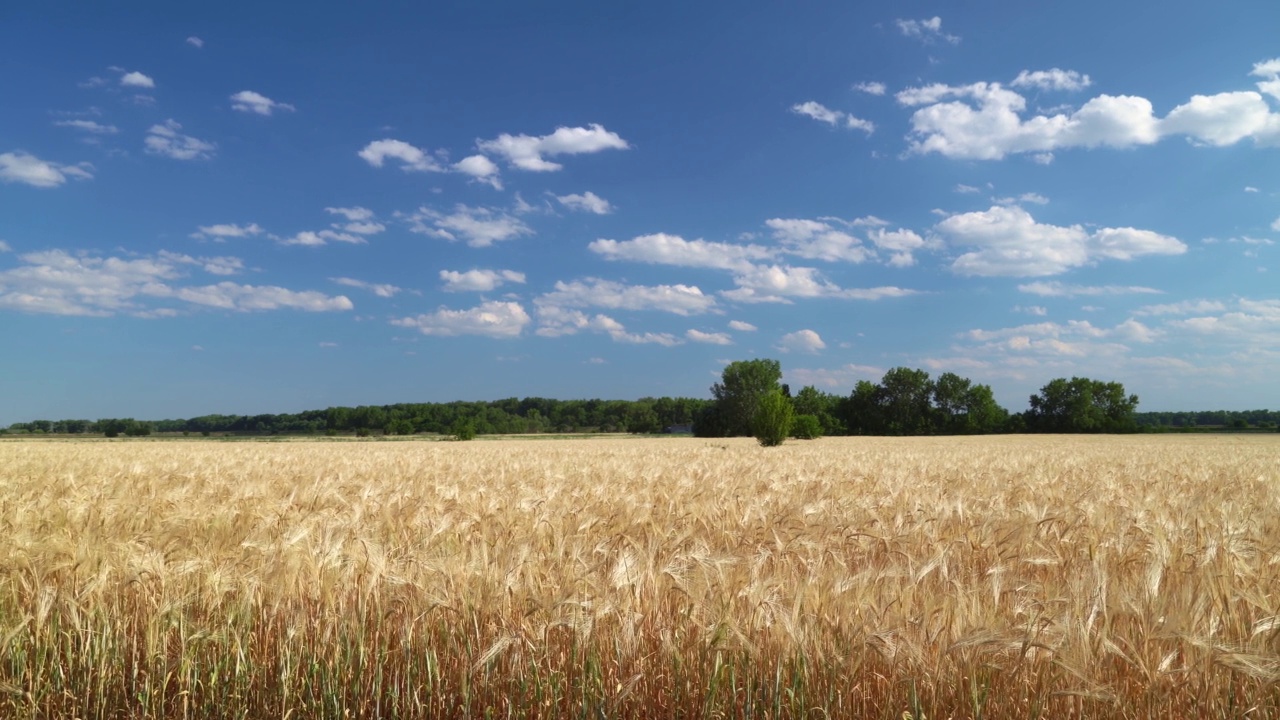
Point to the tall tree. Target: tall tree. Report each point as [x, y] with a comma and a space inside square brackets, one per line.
[738, 393]
[1082, 405]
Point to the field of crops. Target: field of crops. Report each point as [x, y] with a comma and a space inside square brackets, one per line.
[993, 577]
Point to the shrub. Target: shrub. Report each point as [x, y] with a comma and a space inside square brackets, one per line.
[806, 427]
[772, 421]
[464, 430]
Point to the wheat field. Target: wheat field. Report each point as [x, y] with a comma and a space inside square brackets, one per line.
[998, 577]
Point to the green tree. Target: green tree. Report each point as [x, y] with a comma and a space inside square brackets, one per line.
[1082, 405]
[806, 427]
[772, 421]
[904, 398]
[742, 385]
[463, 430]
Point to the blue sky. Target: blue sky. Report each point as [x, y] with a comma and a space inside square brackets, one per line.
[246, 208]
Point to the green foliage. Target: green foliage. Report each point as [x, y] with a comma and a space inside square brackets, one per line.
[400, 427]
[1082, 405]
[907, 402]
[743, 384]
[464, 430]
[772, 421]
[806, 427]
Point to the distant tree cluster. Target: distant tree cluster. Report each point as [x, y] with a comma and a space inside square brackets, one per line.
[749, 400]
[906, 402]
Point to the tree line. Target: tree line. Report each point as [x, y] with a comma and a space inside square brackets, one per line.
[905, 401]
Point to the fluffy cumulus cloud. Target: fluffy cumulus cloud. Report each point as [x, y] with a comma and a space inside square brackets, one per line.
[491, 319]
[478, 280]
[411, 159]
[835, 118]
[257, 103]
[708, 338]
[1009, 242]
[382, 290]
[27, 169]
[358, 220]
[664, 249]
[818, 240]
[1254, 323]
[481, 169]
[805, 341]
[782, 283]
[928, 30]
[1055, 79]
[477, 226]
[221, 232]
[57, 282]
[556, 321]
[900, 244]
[165, 139]
[871, 88]
[1269, 71]
[985, 121]
[312, 238]
[528, 152]
[741, 326]
[586, 202]
[595, 292]
[136, 80]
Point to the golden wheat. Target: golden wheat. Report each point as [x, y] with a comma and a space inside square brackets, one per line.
[860, 578]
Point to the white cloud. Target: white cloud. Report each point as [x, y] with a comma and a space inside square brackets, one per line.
[1036, 310]
[167, 141]
[360, 221]
[741, 326]
[780, 283]
[137, 80]
[555, 321]
[1011, 243]
[21, 167]
[490, 319]
[900, 243]
[252, 102]
[309, 238]
[479, 227]
[806, 341]
[927, 31]
[595, 292]
[244, 298]
[1034, 198]
[1186, 307]
[842, 378]
[89, 126]
[983, 121]
[221, 265]
[219, 232]
[1054, 79]
[4, 247]
[412, 159]
[481, 169]
[528, 152]
[57, 282]
[818, 240]
[382, 290]
[1254, 323]
[664, 249]
[871, 88]
[1250, 189]
[586, 202]
[1276, 225]
[478, 280]
[821, 113]
[1269, 71]
[1058, 289]
[195, 41]
[966, 189]
[708, 338]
